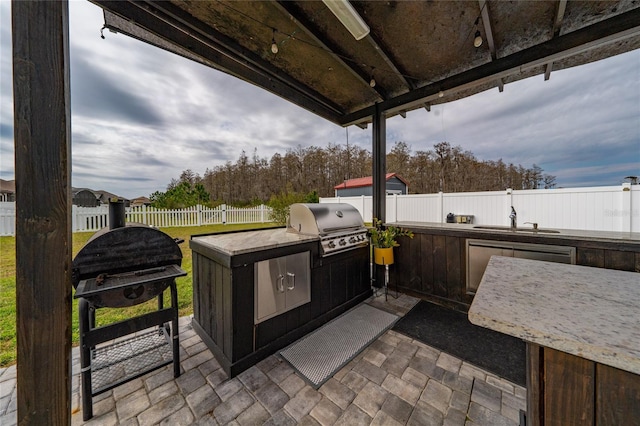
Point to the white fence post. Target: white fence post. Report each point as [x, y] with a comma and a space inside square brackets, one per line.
[440, 208]
[626, 208]
[395, 207]
[74, 218]
[509, 202]
[224, 214]
[7, 218]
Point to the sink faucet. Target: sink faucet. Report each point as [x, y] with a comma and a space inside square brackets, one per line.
[514, 218]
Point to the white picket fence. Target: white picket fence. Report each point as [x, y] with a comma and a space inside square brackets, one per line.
[86, 219]
[606, 208]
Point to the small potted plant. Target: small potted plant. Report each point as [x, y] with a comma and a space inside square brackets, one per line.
[384, 240]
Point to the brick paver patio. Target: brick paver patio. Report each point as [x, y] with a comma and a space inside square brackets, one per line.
[395, 381]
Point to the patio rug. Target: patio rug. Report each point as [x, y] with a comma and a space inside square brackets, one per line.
[451, 332]
[319, 355]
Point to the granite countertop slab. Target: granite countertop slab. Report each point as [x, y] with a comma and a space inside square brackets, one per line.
[589, 312]
[578, 234]
[235, 243]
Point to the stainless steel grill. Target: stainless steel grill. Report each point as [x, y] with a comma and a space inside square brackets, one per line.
[339, 225]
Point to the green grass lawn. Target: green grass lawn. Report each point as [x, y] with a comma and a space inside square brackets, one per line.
[104, 315]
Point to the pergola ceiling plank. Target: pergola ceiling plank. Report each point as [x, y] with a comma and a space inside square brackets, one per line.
[335, 51]
[390, 63]
[614, 29]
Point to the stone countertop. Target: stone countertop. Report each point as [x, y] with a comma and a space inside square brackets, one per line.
[578, 234]
[589, 312]
[235, 243]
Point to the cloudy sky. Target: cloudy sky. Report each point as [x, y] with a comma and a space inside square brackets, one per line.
[141, 115]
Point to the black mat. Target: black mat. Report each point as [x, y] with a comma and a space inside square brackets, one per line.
[451, 332]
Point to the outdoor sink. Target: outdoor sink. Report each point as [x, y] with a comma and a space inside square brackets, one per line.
[508, 228]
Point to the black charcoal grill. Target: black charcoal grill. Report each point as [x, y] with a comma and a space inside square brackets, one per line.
[126, 266]
[120, 267]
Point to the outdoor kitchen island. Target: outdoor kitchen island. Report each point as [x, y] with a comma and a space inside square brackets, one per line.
[582, 328]
[229, 270]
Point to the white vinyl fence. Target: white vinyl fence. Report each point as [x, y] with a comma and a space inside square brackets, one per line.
[95, 218]
[607, 208]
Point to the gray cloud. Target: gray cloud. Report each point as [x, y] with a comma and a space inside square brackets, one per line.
[97, 94]
[141, 115]
[6, 131]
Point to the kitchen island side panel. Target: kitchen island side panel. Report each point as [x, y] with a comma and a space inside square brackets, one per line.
[241, 285]
[214, 297]
[204, 294]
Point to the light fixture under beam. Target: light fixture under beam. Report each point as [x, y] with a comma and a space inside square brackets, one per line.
[477, 39]
[348, 17]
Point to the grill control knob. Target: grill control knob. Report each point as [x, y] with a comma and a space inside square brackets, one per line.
[342, 242]
[352, 240]
[332, 244]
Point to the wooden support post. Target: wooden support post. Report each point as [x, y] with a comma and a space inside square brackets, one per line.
[379, 180]
[42, 130]
[379, 163]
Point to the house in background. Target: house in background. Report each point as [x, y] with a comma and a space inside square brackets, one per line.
[364, 186]
[85, 197]
[140, 201]
[7, 190]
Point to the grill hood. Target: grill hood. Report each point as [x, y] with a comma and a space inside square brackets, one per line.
[323, 219]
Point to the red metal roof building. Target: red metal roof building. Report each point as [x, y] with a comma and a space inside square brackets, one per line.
[364, 186]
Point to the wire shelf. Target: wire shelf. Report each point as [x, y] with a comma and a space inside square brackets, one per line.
[121, 361]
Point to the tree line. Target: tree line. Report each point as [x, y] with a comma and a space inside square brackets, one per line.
[313, 171]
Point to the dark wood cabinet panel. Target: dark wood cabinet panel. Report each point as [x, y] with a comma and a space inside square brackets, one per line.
[411, 272]
[590, 257]
[564, 389]
[454, 269]
[432, 266]
[569, 385]
[241, 312]
[338, 286]
[426, 262]
[440, 265]
[617, 396]
[621, 260]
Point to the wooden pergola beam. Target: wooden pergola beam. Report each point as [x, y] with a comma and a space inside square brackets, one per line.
[42, 129]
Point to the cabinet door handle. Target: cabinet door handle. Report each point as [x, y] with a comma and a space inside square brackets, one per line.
[280, 283]
[291, 279]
